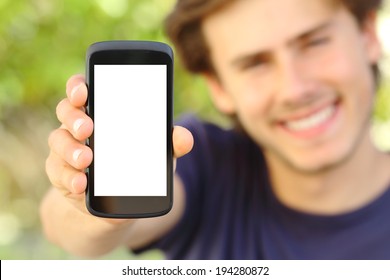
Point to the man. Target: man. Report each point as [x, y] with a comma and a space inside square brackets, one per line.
[301, 179]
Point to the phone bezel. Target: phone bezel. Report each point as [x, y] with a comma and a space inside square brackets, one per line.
[125, 53]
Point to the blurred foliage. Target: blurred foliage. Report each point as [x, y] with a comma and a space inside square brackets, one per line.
[42, 43]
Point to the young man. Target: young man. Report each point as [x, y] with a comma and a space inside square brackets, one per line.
[300, 180]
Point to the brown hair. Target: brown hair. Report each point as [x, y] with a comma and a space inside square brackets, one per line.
[183, 26]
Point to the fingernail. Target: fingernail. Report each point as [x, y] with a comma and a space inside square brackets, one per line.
[77, 124]
[76, 154]
[74, 90]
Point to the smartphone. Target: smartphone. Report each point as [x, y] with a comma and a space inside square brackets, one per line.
[130, 100]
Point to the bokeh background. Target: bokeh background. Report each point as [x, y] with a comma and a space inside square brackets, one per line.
[42, 43]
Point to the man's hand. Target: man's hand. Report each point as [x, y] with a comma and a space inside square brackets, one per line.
[69, 156]
[65, 218]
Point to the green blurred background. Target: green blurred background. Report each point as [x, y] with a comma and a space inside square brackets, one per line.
[42, 43]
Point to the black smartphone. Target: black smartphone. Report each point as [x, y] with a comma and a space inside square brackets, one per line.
[130, 100]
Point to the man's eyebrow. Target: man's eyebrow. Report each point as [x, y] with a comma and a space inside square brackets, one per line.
[243, 60]
[265, 54]
[313, 31]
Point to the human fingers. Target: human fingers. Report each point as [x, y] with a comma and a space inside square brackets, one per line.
[63, 176]
[76, 154]
[75, 120]
[182, 141]
[76, 90]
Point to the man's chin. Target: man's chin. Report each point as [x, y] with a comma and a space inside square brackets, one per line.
[316, 165]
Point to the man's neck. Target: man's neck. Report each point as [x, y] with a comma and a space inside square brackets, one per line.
[346, 187]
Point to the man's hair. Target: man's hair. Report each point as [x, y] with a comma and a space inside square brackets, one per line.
[183, 26]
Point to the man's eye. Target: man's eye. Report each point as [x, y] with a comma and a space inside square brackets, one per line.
[252, 64]
[257, 62]
[318, 41]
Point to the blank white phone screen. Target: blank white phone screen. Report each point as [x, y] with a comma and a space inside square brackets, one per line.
[130, 126]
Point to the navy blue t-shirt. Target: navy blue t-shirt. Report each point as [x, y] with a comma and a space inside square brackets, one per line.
[231, 212]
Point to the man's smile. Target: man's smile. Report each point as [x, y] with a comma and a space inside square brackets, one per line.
[311, 124]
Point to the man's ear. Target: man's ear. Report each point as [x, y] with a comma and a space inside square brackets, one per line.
[370, 36]
[222, 99]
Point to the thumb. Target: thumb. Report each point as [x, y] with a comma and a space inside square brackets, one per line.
[182, 141]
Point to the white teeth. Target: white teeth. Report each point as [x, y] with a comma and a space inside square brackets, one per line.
[311, 121]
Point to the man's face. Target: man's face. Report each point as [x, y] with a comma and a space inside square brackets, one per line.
[297, 75]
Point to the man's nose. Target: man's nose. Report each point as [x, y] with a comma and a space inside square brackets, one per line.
[295, 83]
